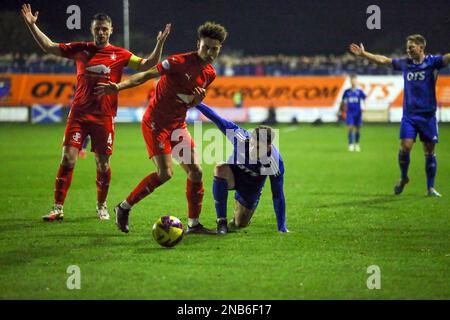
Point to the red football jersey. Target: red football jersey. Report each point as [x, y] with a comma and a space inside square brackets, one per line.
[95, 65]
[180, 74]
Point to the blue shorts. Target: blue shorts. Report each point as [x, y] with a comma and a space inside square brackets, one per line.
[248, 188]
[425, 126]
[354, 119]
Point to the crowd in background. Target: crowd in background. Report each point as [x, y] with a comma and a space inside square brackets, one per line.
[226, 65]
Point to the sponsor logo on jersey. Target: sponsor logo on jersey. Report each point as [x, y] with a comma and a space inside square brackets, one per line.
[418, 75]
[100, 68]
[185, 97]
[113, 56]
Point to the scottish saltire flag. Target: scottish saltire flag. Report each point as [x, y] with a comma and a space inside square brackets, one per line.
[50, 113]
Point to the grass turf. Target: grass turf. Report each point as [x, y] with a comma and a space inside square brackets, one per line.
[341, 212]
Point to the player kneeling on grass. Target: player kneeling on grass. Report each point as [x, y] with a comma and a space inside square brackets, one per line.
[254, 158]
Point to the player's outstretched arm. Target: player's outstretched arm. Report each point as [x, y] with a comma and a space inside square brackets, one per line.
[44, 42]
[155, 56]
[360, 52]
[279, 203]
[220, 122]
[136, 79]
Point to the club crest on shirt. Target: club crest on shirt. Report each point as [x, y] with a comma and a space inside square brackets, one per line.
[113, 56]
[76, 137]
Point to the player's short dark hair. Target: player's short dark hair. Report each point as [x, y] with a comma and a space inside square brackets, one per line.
[212, 30]
[417, 39]
[353, 75]
[101, 17]
[265, 133]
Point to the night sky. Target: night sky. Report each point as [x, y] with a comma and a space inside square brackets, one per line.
[259, 27]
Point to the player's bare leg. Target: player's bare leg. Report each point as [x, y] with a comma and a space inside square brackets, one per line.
[406, 146]
[164, 171]
[63, 181]
[223, 181]
[194, 192]
[242, 216]
[102, 181]
[430, 168]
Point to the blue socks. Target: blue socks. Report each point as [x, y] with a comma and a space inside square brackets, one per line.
[430, 169]
[220, 192]
[403, 161]
[350, 137]
[356, 137]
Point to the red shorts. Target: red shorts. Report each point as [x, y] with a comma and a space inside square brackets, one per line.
[167, 141]
[100, 129]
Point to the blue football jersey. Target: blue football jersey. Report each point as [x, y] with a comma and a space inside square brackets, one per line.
[419, 83]
[353, 99]
[252, 174]
[257, 170]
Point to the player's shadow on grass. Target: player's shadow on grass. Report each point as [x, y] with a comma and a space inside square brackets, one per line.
[52, 252]
[374, 202]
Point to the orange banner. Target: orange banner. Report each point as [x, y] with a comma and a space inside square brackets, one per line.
[28, 89]
[318, 91]
[276, 91]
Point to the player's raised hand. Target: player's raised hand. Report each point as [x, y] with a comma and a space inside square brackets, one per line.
[162, 36]
[357, 50]
[27, 14]
[102, 88]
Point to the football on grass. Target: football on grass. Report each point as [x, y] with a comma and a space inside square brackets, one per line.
[168, 231]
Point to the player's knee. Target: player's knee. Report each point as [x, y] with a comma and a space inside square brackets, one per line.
[428, 149]
[406, 147]
[103, 166]
[221, 171]
[165, 174]
[196, 173]
[68, 159]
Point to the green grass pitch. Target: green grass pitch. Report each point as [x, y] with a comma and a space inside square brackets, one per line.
[341, 212]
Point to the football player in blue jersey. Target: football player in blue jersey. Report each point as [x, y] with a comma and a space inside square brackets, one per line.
[254, 158]
[419, 104]
[351, 104]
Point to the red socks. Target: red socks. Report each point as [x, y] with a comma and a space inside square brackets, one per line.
[62, 184]
[194, 195]
[103, 179]
[144, 188]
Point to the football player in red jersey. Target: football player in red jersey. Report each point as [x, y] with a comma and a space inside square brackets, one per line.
[183, 83]
[96, 61]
